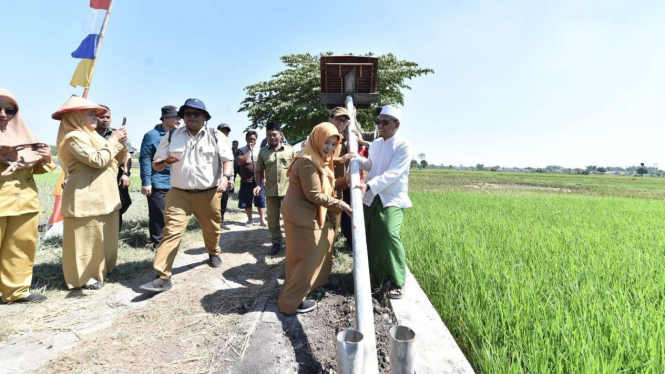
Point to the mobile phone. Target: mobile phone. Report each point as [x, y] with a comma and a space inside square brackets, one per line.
[124, 121]
[168, 161]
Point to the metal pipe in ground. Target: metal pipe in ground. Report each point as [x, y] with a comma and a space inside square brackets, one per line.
[361, 281]
[350, 353]
[402, 350]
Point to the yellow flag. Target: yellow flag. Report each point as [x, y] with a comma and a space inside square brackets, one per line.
[83, 74]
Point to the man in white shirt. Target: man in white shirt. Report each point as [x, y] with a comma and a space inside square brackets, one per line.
[385, 197]
[201, 165]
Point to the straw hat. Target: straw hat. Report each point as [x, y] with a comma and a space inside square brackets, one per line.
[78, 103]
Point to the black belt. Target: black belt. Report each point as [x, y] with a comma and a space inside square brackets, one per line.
[196, 191]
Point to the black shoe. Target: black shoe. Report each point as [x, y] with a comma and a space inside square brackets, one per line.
[94, 286]
[306, 306]
[33, 297]
[157, 285]
[215, 261]
[274, 249]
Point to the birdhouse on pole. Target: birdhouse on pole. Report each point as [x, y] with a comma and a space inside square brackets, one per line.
[354, 76]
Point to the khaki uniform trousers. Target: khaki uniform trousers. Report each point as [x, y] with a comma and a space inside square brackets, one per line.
[273, 204]
[309, 257]
[18, 243]
[89, 248]
[180, 205]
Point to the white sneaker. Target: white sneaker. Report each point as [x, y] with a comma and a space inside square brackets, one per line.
[249, 223]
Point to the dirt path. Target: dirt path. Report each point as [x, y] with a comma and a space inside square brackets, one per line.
[196, 325]
[221, 320]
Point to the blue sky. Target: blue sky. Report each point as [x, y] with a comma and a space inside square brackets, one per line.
[517, 83]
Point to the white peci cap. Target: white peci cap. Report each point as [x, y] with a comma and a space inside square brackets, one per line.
[392, 111]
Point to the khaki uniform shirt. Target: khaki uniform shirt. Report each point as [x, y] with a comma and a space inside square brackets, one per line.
[18, 191]
[274, 164]
[301, 204]
[92, 187]
[201, 157]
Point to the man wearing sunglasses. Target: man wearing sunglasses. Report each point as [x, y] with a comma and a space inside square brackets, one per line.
[385, 197]
[201, 166]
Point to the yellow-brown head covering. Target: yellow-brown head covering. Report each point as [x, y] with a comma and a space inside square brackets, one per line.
[17, 134]
[72, 125]
[312, 152]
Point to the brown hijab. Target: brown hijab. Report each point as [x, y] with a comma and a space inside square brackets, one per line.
[312, 152]
[16, 134]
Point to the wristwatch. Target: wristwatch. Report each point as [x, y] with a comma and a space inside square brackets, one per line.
[228, 176]
[127, 173]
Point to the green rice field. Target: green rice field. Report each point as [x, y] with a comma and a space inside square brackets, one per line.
[545, 273]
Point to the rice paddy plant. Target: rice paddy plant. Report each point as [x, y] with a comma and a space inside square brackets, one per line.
[547, 283]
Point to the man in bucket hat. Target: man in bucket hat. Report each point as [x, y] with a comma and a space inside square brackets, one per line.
[155, 184]
[201, 166]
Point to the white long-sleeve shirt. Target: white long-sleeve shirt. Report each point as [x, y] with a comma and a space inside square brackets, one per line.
[388, 165]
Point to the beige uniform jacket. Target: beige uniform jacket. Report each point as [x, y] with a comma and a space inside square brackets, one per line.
[92, 187]
[304, 195]
[18, 191]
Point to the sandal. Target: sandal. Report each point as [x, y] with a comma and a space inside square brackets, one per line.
[398, 295]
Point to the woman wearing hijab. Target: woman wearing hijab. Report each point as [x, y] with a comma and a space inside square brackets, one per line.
[21, 156]
[90, 200]
[308, 210]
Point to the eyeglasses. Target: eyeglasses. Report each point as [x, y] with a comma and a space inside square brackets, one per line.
[341, 120]
[9, 111]
[193, 114]
[384, 122]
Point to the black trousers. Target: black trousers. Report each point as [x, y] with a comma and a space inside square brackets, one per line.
[156, 204]
[347, 230]
[225, 201]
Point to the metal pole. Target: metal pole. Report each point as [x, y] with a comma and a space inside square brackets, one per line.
[99, 43]
[362, 287]
[350, 353]
[402, 350]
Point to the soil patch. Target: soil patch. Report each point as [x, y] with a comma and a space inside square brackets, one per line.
[336, 312]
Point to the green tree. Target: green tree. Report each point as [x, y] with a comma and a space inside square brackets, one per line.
[423, 164]
[414, 164]
[54, 150]
[292, 96]
[480, 167]
[642, 170]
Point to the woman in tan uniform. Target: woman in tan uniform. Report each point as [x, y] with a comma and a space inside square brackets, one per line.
[308, 211]
[21, 156]
[90, 200]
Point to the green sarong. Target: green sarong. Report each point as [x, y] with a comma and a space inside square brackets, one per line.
[384, 245]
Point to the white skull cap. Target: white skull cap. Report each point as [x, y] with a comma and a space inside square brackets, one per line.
[392, 111]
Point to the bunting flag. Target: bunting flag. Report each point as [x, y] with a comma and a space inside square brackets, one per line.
[83, 74]
[92, 26]
[100, 4]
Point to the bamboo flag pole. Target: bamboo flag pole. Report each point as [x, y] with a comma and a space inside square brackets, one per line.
[99, 43]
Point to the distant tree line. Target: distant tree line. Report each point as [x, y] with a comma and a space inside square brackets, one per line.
[640, 170]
